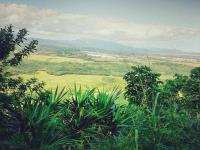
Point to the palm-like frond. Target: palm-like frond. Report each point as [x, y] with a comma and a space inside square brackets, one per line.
[36, 123]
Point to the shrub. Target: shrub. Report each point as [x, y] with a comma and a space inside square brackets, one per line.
[166, 128]
[192, 89]
[142, 85]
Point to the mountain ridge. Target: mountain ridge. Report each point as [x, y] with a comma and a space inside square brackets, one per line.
[106, 47]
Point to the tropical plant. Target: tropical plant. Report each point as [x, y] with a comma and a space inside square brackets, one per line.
[33, 121]
[93, 114]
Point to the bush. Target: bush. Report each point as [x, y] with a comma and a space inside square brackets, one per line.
[164, 129]
[192, 89]
[142, 85]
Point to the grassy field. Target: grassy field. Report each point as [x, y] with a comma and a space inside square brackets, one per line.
[86, 81]
[101, 82]
[97, 70]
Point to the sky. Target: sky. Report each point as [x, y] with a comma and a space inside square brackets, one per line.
[173, 24]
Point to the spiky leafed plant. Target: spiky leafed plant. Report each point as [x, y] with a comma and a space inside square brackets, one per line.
[36, 123]
[90, 114]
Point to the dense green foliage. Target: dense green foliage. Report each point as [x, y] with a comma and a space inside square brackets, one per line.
[142, 85]
[192, 88]
[160, 115]
[12, 47]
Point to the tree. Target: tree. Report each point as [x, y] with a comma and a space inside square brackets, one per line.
[185, 90]
[174, 88]
[13, 47]
[142, 85]
[195, 73]
[192, 88]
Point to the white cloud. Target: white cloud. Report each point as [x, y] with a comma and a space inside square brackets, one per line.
[53, 24]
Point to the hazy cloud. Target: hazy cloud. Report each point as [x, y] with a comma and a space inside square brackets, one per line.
[48, 23]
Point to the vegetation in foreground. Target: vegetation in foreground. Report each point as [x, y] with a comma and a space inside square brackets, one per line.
[159, 115]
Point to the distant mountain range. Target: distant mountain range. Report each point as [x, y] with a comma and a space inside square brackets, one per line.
[105, 46]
